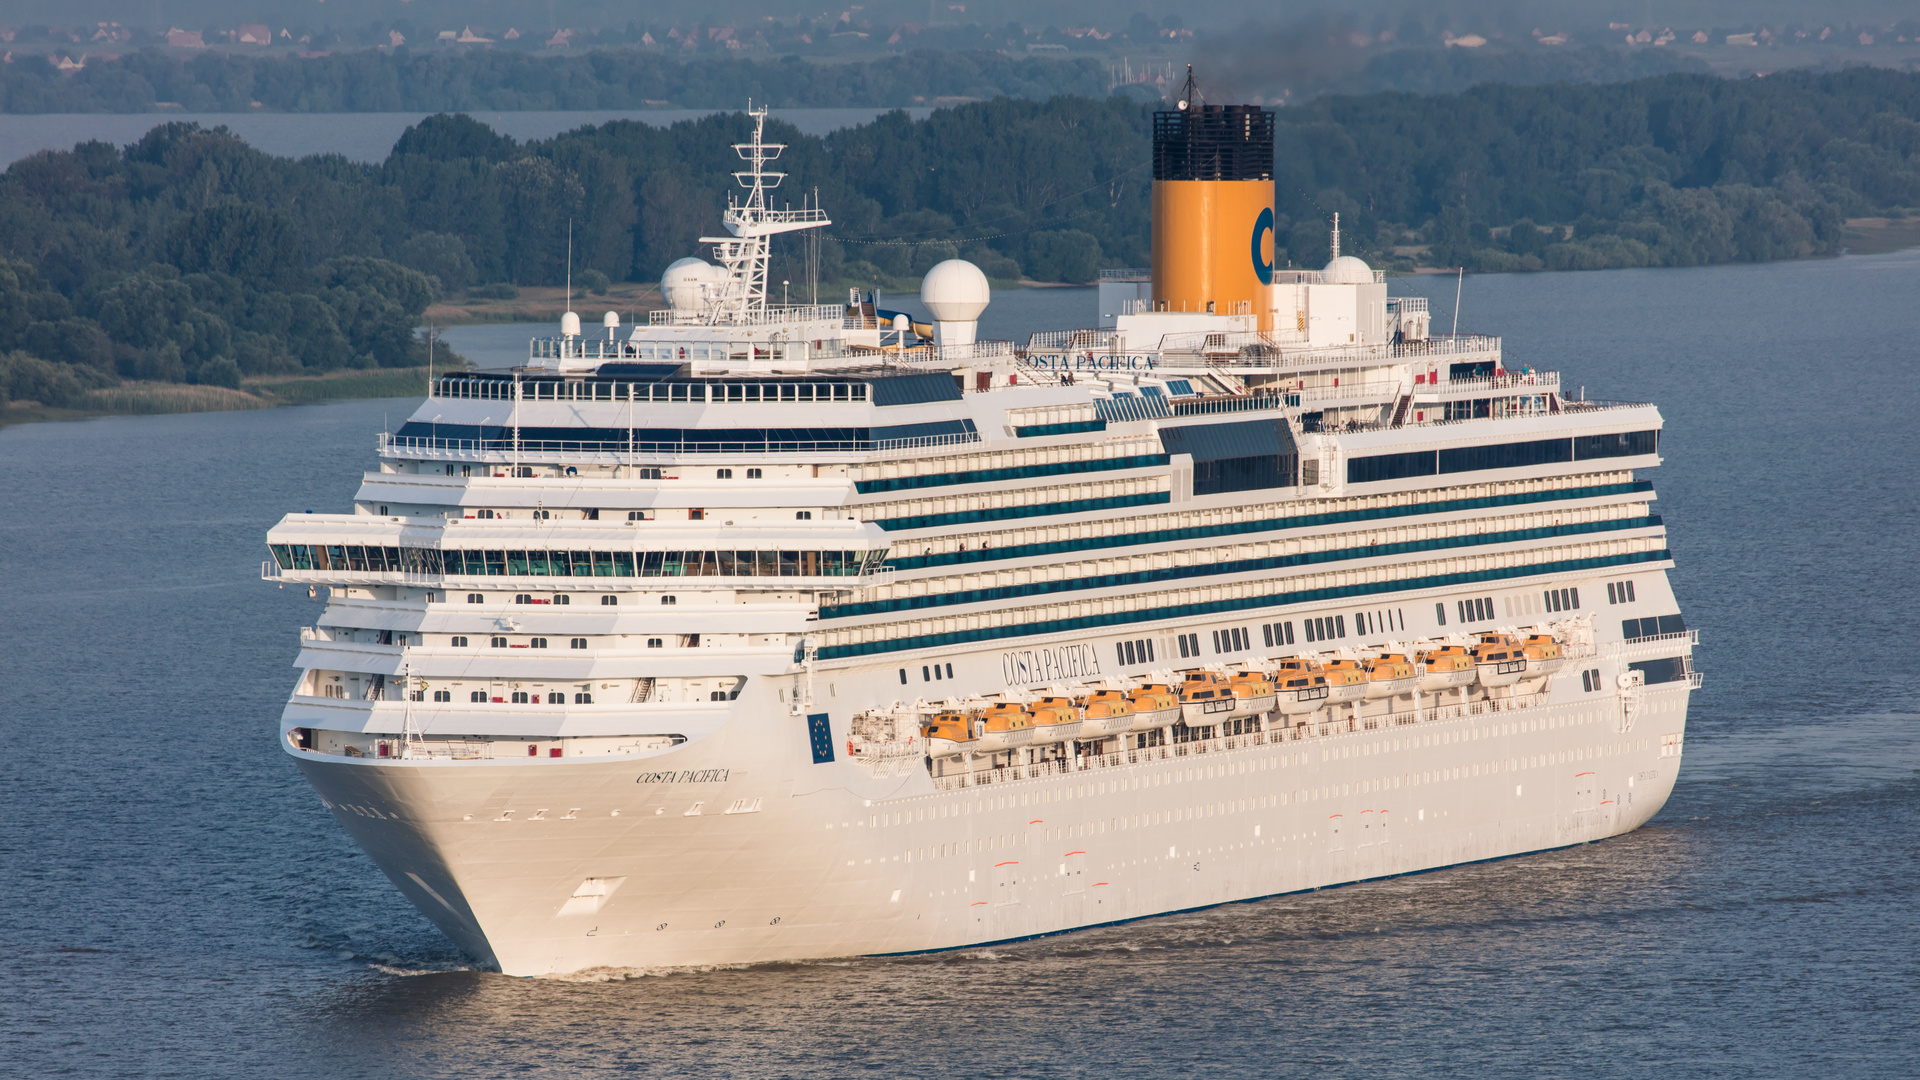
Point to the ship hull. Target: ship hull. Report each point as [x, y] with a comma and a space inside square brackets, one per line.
[849, 858]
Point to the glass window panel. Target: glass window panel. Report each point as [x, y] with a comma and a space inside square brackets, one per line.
[495, 561]
[809, 564]
[393, 557]
[516, 563]
[282, 555]
[454, 560]
[672, 564]
[356, 557]
[726, 564]
[789, 560]
[623, 564]
[650, 563]
[830, 564]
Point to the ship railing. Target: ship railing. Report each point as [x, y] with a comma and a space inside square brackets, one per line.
[1062, 340]
[1655, 644]
[503, 451]
[1127, 273]
[767, 316]
[1209, 406]
[1274, 734]
[842, 582]
[1545, 382]
[1274, 351]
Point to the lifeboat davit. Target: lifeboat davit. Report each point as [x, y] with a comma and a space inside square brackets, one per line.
[1500, 660]
[1003, 727]
[1448, 666]
[1155, 706]
[1390, 675]
[1544, 654]
[1105, 713]
[1346, 680]
[949, 734]
[1055, 719]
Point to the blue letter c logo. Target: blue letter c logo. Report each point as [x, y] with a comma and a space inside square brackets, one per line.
[1262, 268]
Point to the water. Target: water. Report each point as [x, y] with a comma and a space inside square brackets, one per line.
[177, 903]
[359, 136]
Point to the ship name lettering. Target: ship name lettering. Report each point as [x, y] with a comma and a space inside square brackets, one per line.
[688, 776]
[1049, 665]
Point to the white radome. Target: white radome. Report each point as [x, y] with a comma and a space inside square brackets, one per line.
[685, 280]
[1347, 270]
[955, 293]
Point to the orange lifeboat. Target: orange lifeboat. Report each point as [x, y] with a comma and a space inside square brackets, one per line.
[1205, 698]
[1004, 727]
[949, 734]
[1448, 666]
[1346, 680]
[1055, 719]
[1500, 660]
[1300, 687]
[1104, 713]
[1155, 706]
[1390, 675]
[1544, 654]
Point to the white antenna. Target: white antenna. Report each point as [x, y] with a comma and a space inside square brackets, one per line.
[1336, 234]
[570, 259]
[1458, 280]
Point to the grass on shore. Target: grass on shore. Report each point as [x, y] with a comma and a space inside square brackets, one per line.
[263, 392]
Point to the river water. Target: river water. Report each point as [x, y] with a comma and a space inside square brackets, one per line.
[177, 903]
[358, 136]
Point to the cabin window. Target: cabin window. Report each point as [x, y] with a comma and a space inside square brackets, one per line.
[476, 598]
[556, 698]
[443, 695]
[523, 598]
[477, 696]
[577, 643]
[520, 697]
[903, 676]
[924, 677]
[1277, 634]
[753, 474]
[723, 474]
[537, 643]
[1440, 613]
[696, 514]
[655, 643]
[563, 599]
[1189, 645]
[498, 643]
[803, 515]
[669, 600]
[609, 601]
[583, 699]
[457, 642]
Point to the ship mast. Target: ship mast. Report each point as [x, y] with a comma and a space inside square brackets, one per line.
[743, 297]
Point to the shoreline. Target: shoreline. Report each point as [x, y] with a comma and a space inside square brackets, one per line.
[538, 304]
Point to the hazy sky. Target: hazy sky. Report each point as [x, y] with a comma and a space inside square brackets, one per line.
[1462, 17]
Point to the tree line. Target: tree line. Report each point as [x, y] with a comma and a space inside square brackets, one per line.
[191, 256]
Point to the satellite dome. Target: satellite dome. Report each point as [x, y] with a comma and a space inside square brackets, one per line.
[955, 291]
[1347, 270]
[682, 283]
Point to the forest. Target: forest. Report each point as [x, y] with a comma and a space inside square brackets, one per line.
[189, 256]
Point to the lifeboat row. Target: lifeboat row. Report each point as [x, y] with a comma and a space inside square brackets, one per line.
[1294, 686]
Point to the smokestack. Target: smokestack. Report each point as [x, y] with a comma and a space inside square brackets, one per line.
[1212, 207]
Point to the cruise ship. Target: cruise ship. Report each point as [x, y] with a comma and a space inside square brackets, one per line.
[763, 632]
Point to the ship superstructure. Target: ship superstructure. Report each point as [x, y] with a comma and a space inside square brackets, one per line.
[766, 632]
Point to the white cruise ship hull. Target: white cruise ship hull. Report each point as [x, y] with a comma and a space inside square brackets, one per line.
[845, 858]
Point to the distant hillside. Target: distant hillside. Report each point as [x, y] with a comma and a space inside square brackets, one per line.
[190, 256]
